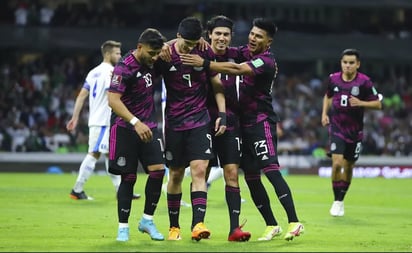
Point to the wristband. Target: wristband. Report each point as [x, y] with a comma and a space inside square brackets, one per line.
[133, 121]
[206, 64]
[222, 116]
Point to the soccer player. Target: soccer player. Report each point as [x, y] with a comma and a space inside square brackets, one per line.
[227, 146]
[348, 94]
[95, 88]
[258, 121]
[187, 131]
[134, 136]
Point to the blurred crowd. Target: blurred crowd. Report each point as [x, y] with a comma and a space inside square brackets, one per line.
[38, 96]
[386, 21]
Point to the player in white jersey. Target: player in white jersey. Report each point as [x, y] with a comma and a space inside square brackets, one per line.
[95, 88]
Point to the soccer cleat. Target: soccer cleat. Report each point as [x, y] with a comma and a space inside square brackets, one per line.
[270, 233]
[174, 234]
[239, 236]
[79, 196]
[200, 231]
[147, 226]
[337, 209]
[136, 196]
[294, 229]
[123, 234]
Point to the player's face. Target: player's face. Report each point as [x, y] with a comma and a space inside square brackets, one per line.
[349, 64]
[259, 41]
[148, 55]
[185, 46]
[220, 39]
[115, 55]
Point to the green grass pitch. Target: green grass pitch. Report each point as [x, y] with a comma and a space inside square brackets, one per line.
[38, 215]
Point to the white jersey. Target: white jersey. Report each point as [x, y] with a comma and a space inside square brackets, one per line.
[163, 103]
[97, 83]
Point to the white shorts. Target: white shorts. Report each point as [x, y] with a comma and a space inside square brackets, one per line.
[99, 139]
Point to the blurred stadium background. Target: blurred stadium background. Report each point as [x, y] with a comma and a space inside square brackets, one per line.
[48, 46]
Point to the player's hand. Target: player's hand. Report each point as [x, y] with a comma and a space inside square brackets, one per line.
[220, 124]
[166, 53]
[71, 125]
[325, 120]
[354, 101]
[203, 44]
[192, 60]
[144, 132]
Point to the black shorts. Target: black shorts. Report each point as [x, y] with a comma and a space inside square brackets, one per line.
[126, 149]
[350, 151]
[226, 147]
[188, 145]
[259, 146]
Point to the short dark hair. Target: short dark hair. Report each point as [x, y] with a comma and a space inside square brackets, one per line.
[108, 45]
[351, 51]
[219, 21]
[152, 37]
[267, 25]
[190, 28]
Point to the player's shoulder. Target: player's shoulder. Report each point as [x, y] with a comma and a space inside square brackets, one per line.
[207, 53]
[128, 64]
[335, 76]
[264, 58]
[363, 76]
[99, 69]
[128, 59]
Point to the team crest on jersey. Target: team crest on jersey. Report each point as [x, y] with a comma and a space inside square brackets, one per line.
[336, 89]
[121, 161]
[116, 79]
[355, 91]
[332, 146]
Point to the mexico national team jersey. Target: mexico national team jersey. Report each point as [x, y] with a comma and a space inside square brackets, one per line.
[187, 89]
[135, 82]
[255, 96]
[230, 84]
[347, 121]
[97, 82]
